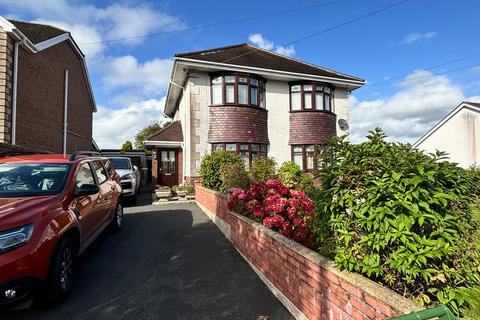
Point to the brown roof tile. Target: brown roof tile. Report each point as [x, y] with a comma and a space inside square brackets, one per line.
[251, 56]
[37, 33]
[172, 132]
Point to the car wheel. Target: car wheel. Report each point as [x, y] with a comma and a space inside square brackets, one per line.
[117, 222]
[60, 276]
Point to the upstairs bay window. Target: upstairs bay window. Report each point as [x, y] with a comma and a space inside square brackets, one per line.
[307, 97]
[238, 89]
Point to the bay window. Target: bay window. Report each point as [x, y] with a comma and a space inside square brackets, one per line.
[310, 96]
[307, 157]
[248, 152]
[238, 89]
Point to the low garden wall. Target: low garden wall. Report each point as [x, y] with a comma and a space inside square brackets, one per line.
[308, 284]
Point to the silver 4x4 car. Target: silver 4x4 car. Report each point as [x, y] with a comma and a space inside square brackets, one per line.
[129, 176]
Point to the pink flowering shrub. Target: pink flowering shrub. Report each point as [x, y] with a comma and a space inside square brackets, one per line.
[277, 207]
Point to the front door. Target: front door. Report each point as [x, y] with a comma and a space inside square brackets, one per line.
[168, 167]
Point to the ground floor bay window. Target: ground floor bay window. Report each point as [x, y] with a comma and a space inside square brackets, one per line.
[247, 151]
[307, 156]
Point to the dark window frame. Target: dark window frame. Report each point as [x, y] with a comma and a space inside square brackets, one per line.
[317, 148]
[316, 87]
[238, 149]
[260, 87]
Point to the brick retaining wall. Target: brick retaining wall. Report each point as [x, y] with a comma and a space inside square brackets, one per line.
[308, 284]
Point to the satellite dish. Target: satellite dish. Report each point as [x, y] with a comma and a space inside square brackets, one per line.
[343, 124]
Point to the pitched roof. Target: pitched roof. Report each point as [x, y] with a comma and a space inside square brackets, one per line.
[171, 132]
[247, 55]
[37, 33]
[465, 104]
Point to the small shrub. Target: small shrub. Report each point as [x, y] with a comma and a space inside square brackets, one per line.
[402, 218]
[233, 175]
[210, 167]
[262, 169]
[290, 174]
[184, 187]
[277, 207]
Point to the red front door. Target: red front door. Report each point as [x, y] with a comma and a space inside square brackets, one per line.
[168, 167]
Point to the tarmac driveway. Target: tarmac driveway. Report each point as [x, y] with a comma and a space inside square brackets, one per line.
[169, 262]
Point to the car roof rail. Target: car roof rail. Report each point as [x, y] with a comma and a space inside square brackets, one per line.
[75, 155]
[10, 153]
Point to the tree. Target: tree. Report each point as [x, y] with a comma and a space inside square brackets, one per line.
[147, 131]
[127, 146]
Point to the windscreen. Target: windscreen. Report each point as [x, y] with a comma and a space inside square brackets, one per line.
[121, 163]
[32, 179]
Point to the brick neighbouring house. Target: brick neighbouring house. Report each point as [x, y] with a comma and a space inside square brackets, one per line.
[250, 101]
[46, 101]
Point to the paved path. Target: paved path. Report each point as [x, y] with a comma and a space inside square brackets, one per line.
[169, 262]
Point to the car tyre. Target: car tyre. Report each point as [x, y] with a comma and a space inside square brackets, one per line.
[117, 222]
[60, 275]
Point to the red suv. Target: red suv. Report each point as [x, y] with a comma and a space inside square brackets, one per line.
[51, 208]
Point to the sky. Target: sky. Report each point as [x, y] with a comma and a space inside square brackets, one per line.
[420, 58]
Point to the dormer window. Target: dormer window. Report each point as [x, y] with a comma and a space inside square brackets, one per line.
[238, 89]
[310, 96]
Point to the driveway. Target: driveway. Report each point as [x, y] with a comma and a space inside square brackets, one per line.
[169, 262]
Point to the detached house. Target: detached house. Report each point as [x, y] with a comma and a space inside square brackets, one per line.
[250, 101]
[46, 101]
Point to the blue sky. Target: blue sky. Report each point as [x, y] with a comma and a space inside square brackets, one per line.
[129, 77]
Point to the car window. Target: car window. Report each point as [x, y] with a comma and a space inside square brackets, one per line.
[109, 168]
[84, 175]
[99, 172]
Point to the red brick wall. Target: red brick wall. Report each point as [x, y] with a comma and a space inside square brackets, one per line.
[308, 280]
[238, 124]
[313, 127]
[40, 100]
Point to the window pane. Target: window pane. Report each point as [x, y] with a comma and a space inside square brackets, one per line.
[327, 89]
[84, 176]
[217, 147]
[217, 94]
[230, 94]
[242, 94]
[244, 155]
[308, 87]
[297, 149]
[244, 147]
[263, 148]
[318, 88]
[262, 98]
[253, 82]
[217, 80]
[255, 148]
[296, 101]
[253, 95]
[231, 147]
[99, 171]
[295, 88]
[229, 79]
[319, 101]
[242, 79]
[327, 102]
[309, 150]
[297, 158]
[307, 100]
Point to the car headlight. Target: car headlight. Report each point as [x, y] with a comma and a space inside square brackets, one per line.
[14, 238]
[126, 176]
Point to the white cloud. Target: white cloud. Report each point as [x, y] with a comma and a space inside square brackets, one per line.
[134, 77]
[423, 99]
[90, 23]
[417, 36]
[262, 42]
[112, 127]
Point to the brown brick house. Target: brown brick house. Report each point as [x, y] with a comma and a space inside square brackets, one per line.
[250, 101]
[46, 101]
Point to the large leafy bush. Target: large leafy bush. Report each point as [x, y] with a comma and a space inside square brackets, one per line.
[262, 169]
[290, 174]
[210, 167]
[233, 175]
[277, 207]
[400, 217]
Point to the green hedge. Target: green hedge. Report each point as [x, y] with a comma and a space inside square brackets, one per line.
[210, 168]
[400, 217]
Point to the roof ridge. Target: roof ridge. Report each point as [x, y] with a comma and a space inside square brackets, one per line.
[211, 49]
[38, 24]
[304, 62]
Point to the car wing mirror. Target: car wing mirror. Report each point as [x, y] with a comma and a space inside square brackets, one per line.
[135, 167]
[86, 190]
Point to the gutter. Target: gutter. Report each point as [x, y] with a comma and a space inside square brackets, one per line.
[14, 93]
[65, 113]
